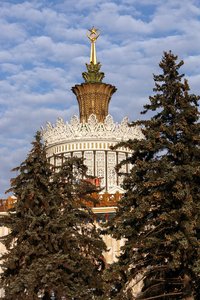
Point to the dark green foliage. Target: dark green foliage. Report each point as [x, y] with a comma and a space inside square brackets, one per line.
[53, 244]
[159, 214]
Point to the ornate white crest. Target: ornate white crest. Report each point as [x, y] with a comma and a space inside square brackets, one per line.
[66, 132]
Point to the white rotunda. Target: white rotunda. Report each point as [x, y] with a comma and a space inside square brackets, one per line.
[92, 135]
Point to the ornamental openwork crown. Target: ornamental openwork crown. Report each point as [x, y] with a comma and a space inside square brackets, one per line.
[64, 131]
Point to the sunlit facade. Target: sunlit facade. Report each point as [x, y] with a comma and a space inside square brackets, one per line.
[92, 137]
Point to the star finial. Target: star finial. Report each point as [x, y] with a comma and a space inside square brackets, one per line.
[93, 35]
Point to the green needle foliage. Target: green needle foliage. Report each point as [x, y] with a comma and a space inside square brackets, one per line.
[53, 245]
[159, 215]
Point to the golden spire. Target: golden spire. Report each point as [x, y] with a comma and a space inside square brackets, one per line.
[93, 35]
[93, 95]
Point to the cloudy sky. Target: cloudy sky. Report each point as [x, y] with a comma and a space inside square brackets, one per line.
[44, 48]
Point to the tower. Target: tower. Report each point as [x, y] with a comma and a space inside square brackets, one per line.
[91, 136]
[93, 96]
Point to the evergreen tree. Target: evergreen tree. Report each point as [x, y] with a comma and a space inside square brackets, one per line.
[159, 215]
[53, 246]
[31, 187]
[82, 276]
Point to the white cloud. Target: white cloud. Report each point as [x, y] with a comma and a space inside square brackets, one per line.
[44, 48]
[11, 32]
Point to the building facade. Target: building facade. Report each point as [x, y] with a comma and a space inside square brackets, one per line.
[94, 133]
[92, 137]
[93, 141]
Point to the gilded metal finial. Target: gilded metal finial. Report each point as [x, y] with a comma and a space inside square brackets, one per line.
[93, 35]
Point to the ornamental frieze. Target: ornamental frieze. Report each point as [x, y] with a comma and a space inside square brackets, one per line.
[107, 130]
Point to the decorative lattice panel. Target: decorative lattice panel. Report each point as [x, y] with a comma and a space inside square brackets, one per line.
[89, 162]
[100, 166]
[111, 173]
[51, 161]
[58, 161]
[77, 154]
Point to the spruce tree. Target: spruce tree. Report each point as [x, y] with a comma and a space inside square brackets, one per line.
[159, 215]
[53, 246]
[24, 220]
[82, 244]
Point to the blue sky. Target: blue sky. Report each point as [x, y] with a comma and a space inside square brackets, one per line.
[44, 48]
